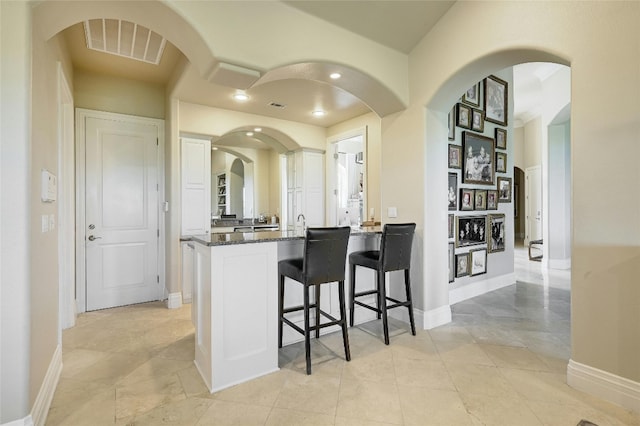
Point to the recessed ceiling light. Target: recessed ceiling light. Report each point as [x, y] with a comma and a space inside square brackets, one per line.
[214, 148]
[257, 129]
[249, 134]
[240, 97]
[335, 75]
[318, 113]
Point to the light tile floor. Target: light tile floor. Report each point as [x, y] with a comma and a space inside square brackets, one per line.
[502, 361]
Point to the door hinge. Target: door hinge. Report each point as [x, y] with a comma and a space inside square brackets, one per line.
[157, 141]
[158, 279]
[158, 233]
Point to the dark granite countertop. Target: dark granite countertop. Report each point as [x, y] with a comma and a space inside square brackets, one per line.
[220, 239]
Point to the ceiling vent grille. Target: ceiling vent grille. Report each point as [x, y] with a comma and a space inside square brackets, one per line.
[125, 39]
[277, 105]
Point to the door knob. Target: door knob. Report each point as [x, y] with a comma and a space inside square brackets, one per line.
[92, 238]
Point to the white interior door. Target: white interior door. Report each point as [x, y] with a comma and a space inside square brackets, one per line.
[533, 204]
[122, 232]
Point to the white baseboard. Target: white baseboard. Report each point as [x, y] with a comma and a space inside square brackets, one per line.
[402, 314]
[562, 264]
[479, 288]
[27, 421]
[174, 300]
[436, 317]
[45, 395]
[602, 384]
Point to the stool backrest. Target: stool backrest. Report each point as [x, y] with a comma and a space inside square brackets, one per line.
[325, 254]
[395, 248]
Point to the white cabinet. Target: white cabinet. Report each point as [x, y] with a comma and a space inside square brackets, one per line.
[196, 186]
[305, 187]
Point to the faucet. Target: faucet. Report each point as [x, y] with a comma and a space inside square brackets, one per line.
[304, 221]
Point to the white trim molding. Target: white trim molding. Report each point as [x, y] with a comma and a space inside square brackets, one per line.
[562, 264]
[174, 301]
[27, 421]
[479, 288]
[45, 395]
[605, 385]
[434, 317]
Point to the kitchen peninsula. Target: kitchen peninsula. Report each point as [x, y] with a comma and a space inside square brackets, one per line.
[235, 300]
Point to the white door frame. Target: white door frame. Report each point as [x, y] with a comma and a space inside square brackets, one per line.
[81, 272]
[527, 202]
[66, 206]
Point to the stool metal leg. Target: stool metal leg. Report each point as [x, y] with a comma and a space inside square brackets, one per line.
[343, 320]
[307, 338]
[382, 296]
[380, 299]
[280, 310]
[317, 311]
[407, 284]
[352, 285]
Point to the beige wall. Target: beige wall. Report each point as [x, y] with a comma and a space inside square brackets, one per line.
[533, 143]
[44, 155]
[605, 302]
[119, 95]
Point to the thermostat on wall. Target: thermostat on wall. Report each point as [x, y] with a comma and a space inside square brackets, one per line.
[49, 187]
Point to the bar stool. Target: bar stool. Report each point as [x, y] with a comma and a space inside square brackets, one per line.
[394, 255]
[324, 261]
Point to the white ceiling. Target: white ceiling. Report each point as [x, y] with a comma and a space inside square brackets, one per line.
[396, 24]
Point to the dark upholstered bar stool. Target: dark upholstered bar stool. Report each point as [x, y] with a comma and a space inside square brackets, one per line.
[394, 255]
[324, 261]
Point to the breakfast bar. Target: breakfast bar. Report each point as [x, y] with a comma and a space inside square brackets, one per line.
[235, 300]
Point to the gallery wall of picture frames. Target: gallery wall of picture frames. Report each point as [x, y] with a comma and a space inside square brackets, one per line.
[477, 181]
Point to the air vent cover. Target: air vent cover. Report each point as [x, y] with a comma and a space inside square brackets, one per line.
[277, 105]
[125, 39]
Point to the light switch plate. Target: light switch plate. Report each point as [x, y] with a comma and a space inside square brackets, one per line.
[392, 212]
[45, 223]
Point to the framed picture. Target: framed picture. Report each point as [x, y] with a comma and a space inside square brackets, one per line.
[455, 155]
[466, 199]
[463, 116]
[497, 233]
[462, 265]
[495, 100]
[478, 154]
[452, 269]
[472, 96]
[453, 191]
[501, 162]
[504, 190]
[501, 138]
[471, 230]
[477, 122]
[480, 199]
[452, 124]
[478, 262]
[492, 199]
[452, 225]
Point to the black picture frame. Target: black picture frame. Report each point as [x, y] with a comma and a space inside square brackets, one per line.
[455, 156]
[452, 225]
[471, 230]
[496, 93]
[478, 159]
[492, 199]
[501, 162]
[463, 116]
[462, 265]
[472, 96]
[451, 262]
[501, 138]
[453, 191]
[480, 199]
[504, 190]
[477, 262]
[477, 120]
[451, 119]
[497, 233]
[467, 198]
